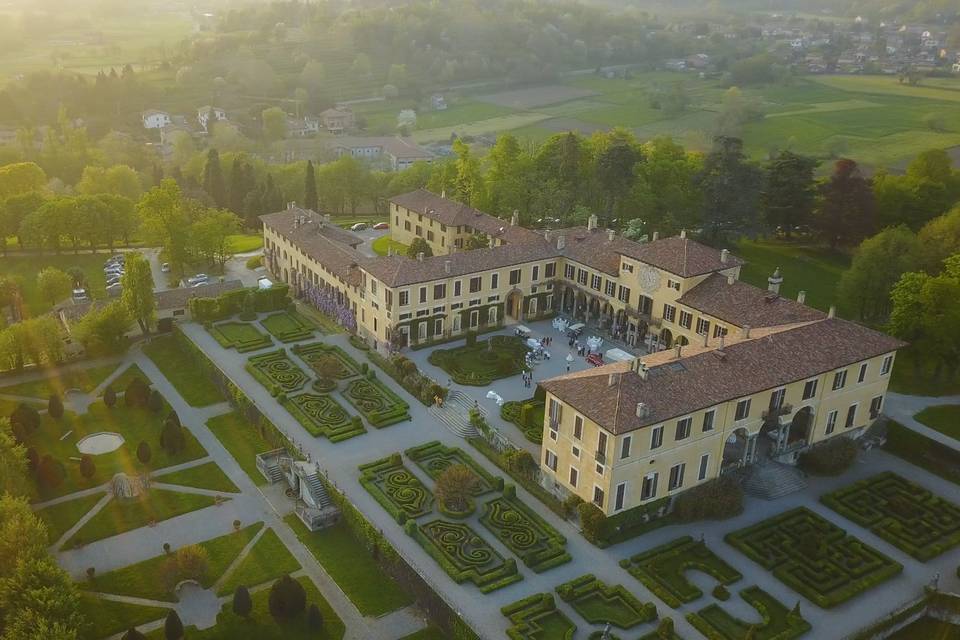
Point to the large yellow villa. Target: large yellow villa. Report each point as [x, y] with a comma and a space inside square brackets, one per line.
[735, 372]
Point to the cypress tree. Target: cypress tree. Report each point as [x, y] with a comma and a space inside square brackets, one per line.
[172, 626]
[242, 604]
[55, 406]
[310, 200]
[238, 185]
[213, 179]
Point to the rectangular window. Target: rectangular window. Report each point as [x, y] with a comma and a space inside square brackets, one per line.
[574, 476]
[703, 327]
[515, 276]
[429, 236]
[625, 448]
[686, 319]
[649, 488]
[475, 284]
[673, 284]
[601, 446]
[438, 326]
[623, 295]
[831, 422]
[595, 282]
[851, 416]
[863, 373]
[419, 231]
[422, 331]
[875, 405]
[404, 298]
[575, 452]
[627, 267]
[578, 427]
[551, 460]
[610, 288]
[581, 276]
[776, 399]
[839, 379]
[810, 389]
[708, 418]
[568, 271]
[553, 433]
[556, 410]
[669, 312]
[535, 273]
[619, 496]
[676, 476]
[683, 428]
[406, 225]
[598, 496]
[494, 280]
[656, 437]
[457, 285]
[439, 291]
[743, 410]
[423, 295]
[704, 465]
[599, 469]
[719, 331]
[550, 270]
[373, 287]
[887, 364]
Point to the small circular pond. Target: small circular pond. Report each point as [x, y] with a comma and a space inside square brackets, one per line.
[99, 443]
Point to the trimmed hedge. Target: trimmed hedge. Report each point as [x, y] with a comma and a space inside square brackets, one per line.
[524, 414]
[778, 622]
[830, 458]
[277, 372]
[233, 302]
[537, 617]
[598, 603]
[241, 336]
[321, 415]
[464, 555]
[524, 532]
[481, 363]
[532, 486]
[405, 372]
[396, 489]
[434, 458]
[288, 326]
[378, 404]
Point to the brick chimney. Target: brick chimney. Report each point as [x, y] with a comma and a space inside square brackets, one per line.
[561, 242]
[420, 257]
[724, 256]
[592, 222]
[802, 297]
[515, 218]
[774, 281]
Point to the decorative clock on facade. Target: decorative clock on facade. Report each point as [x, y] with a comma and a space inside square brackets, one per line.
[649, 279]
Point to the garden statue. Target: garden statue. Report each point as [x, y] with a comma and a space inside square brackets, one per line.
[606, 633]
[124, 486]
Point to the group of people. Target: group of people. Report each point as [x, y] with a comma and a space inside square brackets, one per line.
[528, 379]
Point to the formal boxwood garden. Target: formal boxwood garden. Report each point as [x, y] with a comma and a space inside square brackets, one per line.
[322, 416]
[395, 488]
[904, 514]
[482, 362]
[434, 457]
[813, 556]
[778, 622]
[527, 415]
[277, 372]
[524, 532]
[288, 326]
[599, 603]
[464, 555]
[241, 336]
[537, 618]
[378, 404]
[662, 569]
[314, 352]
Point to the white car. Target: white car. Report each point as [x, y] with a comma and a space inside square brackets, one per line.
[165, 267]
[359, 226]
[114, 289]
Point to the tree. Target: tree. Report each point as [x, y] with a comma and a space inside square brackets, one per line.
[88, 468]
[476, 241]
[310, 200]
[13, 211]
[20, 178]
[665, 195]
[137, 393]
[211, 234]
[144, 453]
[50, 472]
[730, 186]
[102, 329]
[847, 211]
[788, 195]
[166, 220]
[172, 439]
[55, 406]
[315, 618]
[54, 284]
[592, 521]
[155, 401]
[418, 246]
[40, 601]
[617, 156]
[137, 296]
[274, 122]
[876, 267]
[109, 397]
[14, 464]
[172, 626]
[118, 180]
[940, 238]
[133, 634]
[455, 486]
[242, 603]
[287, 599]
[24, 420]
[213, 182]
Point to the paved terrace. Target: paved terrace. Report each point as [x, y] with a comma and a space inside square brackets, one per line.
[340, 462]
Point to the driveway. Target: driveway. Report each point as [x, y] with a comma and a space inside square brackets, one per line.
[369, 235]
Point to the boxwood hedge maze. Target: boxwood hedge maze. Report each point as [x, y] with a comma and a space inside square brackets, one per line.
[242, 336]
[322, 416]
[904, 514]
[288, 326]
[537, 618]
[317, 351]
[378, 404]
[525, 533]
[464, 555]
[276, 371]
[434, 458]
[598, 603]
[778, 623]
[662, 569]
[395, 488]
[814, 557]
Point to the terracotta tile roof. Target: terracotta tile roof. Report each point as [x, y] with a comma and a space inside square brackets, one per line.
[742, 304]
[321, 242]
[393, 145]
[681, 386]
[311, 222]
[177, 298]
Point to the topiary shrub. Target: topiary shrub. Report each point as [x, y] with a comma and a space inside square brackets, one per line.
[109, 397]
[830, 458]
[50, 472]
[144, 452]
[133, 634]
[155, 401]
[471, 338]
[173, 626]
[242, 603]
[33, 459]
[88, 467]
[55, 406]
[592, 521]
[720, 592]
[715, 500]
[137, 393]
[24, 420]
[314, 619]
[287, 599]
[172, 438]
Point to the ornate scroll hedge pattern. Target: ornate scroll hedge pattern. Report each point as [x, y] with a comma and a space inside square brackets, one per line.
[434, 458]
[322, 416]
[288, 326]
[310, 353]
[483, 362]
[779, 623]
[464, 555]
[276, 371]
[525, 533]
[242, 336]
[537, 618]
[527, 415]
[597, 603]
[395, 488]
[904, 514]
[814, 557]
[378, 404]
[662, 569]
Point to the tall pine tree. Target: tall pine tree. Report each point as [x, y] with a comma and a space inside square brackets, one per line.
[213, 182]
[238, 188]
[310, 200]
[788, 195]
[731, 187]
[848, 211]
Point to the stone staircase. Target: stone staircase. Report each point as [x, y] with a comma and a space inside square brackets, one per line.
[275, 474]
[455, 414]
[771, 480]
[317, 491]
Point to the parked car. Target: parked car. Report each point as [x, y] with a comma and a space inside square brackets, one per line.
[359, 226]
[165, 267]
[113, 272]
[200, 278]
[380, 226]
[113, 280]
[80, 295]
[114, 289]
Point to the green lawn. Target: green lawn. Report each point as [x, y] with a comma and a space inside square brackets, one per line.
[8, 406]
[59, 381]
[60, 517]
[384, 243]
[944, 418]
[928, 628]
[59, 438]
[179, 365]
[428, 633]
[920, 450]
[915, 374]
[244, 243]
[268, 560]
[804, 267]
[26, 267]
[107, 617]
[120, 516]
[242, 440]
[141, 580]
[204, 476]
[288, 326]
[243, 336]
[350, 564]
[121, 381]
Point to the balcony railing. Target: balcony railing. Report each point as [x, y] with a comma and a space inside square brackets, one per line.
[776, 412]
